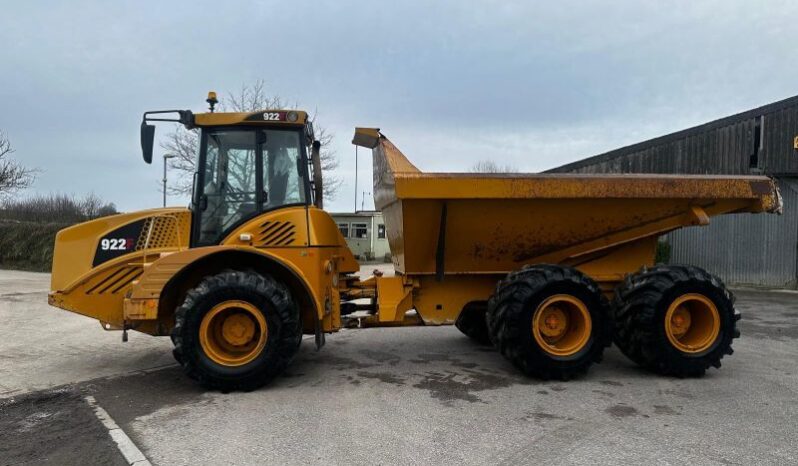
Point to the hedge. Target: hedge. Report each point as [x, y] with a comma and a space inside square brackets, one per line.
[27, 245]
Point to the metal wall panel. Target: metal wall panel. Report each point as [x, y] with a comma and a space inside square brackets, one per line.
[780, 129]
[723, 150]
[746, 249]
[721, 146]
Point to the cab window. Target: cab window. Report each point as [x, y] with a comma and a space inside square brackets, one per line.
[247, 171]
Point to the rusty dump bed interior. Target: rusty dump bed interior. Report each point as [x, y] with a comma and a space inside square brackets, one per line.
[458, 223]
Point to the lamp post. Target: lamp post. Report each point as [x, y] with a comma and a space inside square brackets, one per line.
[355, 180]
[165, 156]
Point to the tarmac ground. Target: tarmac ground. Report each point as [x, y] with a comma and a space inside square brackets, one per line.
[385, 396]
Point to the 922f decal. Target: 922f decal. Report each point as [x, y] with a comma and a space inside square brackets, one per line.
[118, 242]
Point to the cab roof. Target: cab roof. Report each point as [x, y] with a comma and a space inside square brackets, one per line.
[266, 116]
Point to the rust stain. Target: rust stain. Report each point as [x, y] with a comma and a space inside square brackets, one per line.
[761, 187]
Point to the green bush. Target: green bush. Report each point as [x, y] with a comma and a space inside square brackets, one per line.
[27, 245]
[55, 208]
[28, 226]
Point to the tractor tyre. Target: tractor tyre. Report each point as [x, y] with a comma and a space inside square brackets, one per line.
[550, 321]
[471, 322]
[236, 331]
[675, 320]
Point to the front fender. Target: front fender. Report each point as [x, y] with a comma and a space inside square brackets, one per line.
[142, 301]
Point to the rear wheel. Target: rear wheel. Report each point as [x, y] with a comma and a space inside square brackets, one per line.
[471, 322]
[549, 321]
[236, 331]
[675, 320]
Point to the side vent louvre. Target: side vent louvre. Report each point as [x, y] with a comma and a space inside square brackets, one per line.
[115, 281]
[160, 232]
[276, 234]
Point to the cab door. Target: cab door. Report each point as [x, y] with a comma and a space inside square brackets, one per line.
[231, 182]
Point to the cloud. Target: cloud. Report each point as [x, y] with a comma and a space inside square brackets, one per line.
[535, 85]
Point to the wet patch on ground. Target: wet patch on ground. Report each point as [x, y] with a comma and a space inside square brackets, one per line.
[426, 358]
[621, 410]
[543, 416]
[139, 394]
[663, 409]
[382, 356]
[352, 380]
[611, 383]
[327, 359]
[449, 386]
[385, 377]
[54, 427]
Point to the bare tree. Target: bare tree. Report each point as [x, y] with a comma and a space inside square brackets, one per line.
[13, 175]
[251, 97]
[489, 166]
[183, 143]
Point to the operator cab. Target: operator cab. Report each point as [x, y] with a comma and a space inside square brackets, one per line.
[247, 164]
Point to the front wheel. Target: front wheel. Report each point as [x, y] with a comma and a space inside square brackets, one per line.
[550, 321]
[236, 331]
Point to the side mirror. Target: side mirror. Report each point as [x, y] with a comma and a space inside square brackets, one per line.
[147, 141]
[309, 131]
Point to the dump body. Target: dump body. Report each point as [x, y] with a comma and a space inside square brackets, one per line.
[464, 230]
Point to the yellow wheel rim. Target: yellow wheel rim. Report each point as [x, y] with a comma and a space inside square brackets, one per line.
[692, 323]
[561, 325]
[233, 333]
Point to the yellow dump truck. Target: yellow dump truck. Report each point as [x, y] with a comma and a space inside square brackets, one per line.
[548, 268]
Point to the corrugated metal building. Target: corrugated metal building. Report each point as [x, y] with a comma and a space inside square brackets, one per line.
[743, 249]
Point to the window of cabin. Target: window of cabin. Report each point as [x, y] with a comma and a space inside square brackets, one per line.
[360, 230]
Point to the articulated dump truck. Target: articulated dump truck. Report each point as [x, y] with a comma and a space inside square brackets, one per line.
[550, 269]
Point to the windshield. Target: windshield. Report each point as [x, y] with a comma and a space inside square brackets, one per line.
[244, 172]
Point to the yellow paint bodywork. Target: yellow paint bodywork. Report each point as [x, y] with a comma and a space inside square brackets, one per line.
[393, 296]
[316, 256]
[239, 118]
[75, 246]
[454, 235]
[99, 291]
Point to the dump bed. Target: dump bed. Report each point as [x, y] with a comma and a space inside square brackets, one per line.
[458, 223]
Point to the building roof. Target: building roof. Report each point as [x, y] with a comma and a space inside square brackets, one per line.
[359, 213]
[679, 135]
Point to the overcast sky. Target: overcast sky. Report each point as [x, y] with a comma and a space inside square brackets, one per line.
[529, 84]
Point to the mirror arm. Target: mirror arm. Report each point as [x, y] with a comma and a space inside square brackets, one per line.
[148, 131]
[318, 186]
